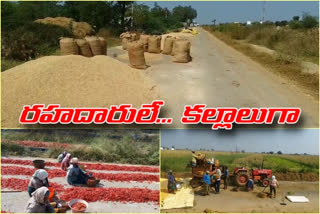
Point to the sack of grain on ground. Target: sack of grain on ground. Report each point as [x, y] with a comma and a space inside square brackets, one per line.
[168, 45]
[103, 44]
[72, 81]
[95, 46]
[68, 46]
[154, 43]
[181, 51]
[144, 40]
[136, 55]
[84, 48]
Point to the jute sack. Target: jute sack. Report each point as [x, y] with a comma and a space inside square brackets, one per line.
[68, 47]
[168, 45]
[94, 44]
[136, 55]
[126, 37]
[84, 48]
[144, 40]
[154, 43]
[181, 51]
[103, 44]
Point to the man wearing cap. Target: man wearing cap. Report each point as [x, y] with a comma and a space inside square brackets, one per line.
[75, 175]
[207, 182]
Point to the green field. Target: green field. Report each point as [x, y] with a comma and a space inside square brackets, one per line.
[114, 146]
[280, 164]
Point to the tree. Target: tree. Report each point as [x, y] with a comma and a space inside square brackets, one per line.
[296, 18]
[243, 151]
[309, 21]
[279, 153]
[184, 14]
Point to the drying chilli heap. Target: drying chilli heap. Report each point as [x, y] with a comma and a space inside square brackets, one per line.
[79, 206]
[16, 170]
[91, 166]
[138, 195]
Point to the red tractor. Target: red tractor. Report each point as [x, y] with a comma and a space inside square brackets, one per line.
[242, 176]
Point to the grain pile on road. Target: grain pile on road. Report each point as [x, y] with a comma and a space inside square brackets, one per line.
[72, 81]
[79, 29]
[123, 188]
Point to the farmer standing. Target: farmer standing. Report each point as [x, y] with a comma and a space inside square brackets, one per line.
[207, 182]
[171, 182]
[218, 180]
[273, 186]
[225, 178]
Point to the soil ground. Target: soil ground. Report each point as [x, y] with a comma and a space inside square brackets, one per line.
[246, 202]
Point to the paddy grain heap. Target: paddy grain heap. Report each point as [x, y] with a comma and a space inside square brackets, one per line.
[72, 81]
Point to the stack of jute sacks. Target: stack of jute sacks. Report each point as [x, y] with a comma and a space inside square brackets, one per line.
[89, 46]
[136, 45]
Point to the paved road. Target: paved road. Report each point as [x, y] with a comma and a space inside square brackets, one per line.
[220, 76]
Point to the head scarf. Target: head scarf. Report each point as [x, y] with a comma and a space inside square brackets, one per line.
[41, 174]
[273, 177]
[39, 195]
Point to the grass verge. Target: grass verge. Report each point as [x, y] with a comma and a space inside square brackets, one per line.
[284, 65]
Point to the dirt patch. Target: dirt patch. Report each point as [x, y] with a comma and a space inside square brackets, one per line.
[72, 81]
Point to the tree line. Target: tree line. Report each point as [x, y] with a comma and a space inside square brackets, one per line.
[117, 16]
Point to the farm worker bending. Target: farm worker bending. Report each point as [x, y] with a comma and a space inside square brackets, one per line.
[75, 174]
[225, 178]
[171, 182]
[218, 180]
[39, 179]
[194, 159]
[273, 186]
[207, 182]
[62, 156]
[66, 162]
[250, 185]
[39, 202]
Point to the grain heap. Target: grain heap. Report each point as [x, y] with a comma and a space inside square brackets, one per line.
[72, 81]
[79, 29]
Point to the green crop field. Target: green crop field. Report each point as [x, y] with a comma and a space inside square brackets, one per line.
[280, 164]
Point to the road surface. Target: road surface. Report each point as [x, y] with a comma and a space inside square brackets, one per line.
[220, 76]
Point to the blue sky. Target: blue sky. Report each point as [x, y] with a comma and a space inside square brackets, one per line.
[242, 11]
[251, 140]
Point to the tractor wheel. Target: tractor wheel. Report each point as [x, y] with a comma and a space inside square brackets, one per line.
[265, 182]
[242, 178]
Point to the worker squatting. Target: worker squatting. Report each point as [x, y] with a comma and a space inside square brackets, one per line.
[41, 193]
[149, 114]
[208, 173]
